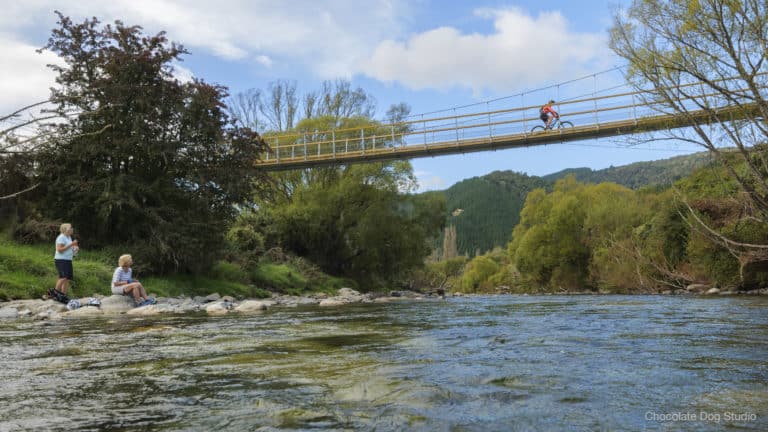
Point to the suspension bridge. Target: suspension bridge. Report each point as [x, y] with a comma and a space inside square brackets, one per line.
[596, 116]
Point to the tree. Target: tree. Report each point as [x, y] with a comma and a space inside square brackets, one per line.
[245, 109]
[357, 220]
[358, 225]
[149, 164]
[338, 100]
[477, 273]
[710, 56]
[20, 137]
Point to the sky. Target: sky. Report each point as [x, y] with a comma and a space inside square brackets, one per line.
[434, 55]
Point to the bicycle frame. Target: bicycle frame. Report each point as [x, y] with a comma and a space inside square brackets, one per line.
[556, 123]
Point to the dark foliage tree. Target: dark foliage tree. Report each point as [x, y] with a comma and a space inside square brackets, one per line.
[149, 164]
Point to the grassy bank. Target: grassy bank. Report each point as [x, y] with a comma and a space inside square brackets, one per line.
[28, 271]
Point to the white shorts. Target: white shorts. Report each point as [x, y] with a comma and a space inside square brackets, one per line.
[117, 290]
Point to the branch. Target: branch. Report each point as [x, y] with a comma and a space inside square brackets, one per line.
[19, 193]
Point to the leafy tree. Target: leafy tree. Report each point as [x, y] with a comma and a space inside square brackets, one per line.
[547, 246]
[708, 56]
[358, 225]
[355, 221]
[477, 273]
[148, 163]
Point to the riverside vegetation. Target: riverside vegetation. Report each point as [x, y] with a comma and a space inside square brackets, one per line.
[142, 163]
[604, 237]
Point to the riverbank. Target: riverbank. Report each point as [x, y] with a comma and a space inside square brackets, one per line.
[216, 304]
[27, 272]
[213, 304]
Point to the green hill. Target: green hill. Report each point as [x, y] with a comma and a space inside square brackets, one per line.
[485, 209]
[639, 174]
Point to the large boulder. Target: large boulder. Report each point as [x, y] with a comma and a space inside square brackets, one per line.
[251, 306]
[697, 288]
[333, 302]
[348, 293]
[218, 308]
[116, 304]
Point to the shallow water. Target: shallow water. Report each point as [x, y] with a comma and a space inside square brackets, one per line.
[463, 364]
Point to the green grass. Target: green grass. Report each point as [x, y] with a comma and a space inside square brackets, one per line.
[28, 271]
[288, 279]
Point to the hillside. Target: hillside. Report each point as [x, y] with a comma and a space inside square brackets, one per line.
[485, 209]
[661, 172]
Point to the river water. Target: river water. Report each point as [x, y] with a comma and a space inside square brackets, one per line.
[461, 364]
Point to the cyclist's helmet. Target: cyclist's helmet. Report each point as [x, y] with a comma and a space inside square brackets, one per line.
[551, 101]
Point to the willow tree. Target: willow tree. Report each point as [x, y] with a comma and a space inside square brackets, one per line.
[693, 57]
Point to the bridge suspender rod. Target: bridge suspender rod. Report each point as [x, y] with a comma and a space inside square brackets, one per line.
[593, 96]
[456, 126]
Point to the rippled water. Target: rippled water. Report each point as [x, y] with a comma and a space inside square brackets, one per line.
[465, 364]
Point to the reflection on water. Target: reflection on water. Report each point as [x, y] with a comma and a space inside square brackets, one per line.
[470, 364]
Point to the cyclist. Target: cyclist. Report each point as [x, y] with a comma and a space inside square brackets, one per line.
[545, 111]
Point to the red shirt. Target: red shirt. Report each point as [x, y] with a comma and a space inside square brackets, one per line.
[548, 109]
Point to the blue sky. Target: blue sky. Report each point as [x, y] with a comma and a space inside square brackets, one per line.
[432, 55]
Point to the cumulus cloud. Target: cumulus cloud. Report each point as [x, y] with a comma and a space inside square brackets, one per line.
[24, 77]
[327, 37]
[341, 38]
[522, 50]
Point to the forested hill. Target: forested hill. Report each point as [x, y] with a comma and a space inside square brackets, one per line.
[661, 172]
[485, 209]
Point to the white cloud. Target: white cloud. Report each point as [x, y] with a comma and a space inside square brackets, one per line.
[522, 50]
[328, 37]
[427, 181]
[181, 73]
[264, 60]
[24, 77]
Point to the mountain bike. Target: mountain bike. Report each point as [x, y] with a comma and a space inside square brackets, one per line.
[556, 124]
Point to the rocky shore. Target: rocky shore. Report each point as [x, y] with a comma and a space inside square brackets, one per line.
[214, 304]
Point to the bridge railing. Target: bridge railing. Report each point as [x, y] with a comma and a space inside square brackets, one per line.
[590, 112]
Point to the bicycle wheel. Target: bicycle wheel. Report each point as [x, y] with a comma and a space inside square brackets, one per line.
[537, 129]
[565, 124]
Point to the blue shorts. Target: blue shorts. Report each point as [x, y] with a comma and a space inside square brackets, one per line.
[65, 269]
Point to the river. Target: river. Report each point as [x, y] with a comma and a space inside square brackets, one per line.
[462, 364]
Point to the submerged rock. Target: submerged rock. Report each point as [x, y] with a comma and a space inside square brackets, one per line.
[251, 306]
[84, 311]
[8, 313]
